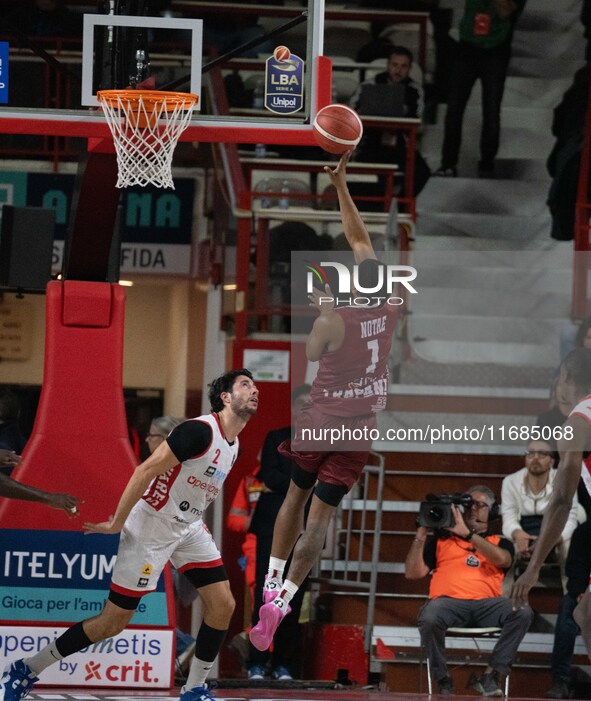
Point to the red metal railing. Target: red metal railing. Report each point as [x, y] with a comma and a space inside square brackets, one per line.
[580, 303]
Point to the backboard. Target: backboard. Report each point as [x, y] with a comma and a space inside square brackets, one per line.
[165, 53]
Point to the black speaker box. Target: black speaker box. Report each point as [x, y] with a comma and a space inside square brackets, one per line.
[26, 247]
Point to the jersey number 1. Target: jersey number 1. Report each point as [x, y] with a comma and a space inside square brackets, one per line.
[373, 346]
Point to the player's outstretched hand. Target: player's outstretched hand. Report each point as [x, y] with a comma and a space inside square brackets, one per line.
[105, 527]
[339, 173]
[63, 501]
[521, 588]
[8, 458]
[323, 301]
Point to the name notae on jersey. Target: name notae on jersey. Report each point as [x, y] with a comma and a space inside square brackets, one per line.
[353, 380]
[184, 492]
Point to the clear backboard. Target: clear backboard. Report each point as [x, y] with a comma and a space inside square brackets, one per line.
[224, 52]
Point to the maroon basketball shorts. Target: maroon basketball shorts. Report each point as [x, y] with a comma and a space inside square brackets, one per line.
[335, 448]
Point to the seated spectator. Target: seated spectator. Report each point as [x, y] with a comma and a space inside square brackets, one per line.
[467, 567]
[383, 146]
[578, 568]
[525, 495]
[441, 21]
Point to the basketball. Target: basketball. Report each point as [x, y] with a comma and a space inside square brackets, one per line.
[281, 53]
[337, 128]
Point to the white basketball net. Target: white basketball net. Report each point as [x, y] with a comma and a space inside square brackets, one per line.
[146, 128]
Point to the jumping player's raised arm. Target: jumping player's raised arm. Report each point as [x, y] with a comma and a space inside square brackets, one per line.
[353, 226]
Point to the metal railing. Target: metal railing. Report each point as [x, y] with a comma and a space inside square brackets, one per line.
[341, 568]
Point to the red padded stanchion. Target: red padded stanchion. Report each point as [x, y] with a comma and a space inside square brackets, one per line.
[79, 442]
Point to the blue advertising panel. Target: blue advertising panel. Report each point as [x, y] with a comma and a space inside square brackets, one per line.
[3, 71]
[57, 576]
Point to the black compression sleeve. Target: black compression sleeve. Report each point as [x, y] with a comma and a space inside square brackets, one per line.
[72, 640]
[190, 439]
[209, 642]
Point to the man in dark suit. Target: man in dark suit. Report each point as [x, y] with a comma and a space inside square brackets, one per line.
[275, 473]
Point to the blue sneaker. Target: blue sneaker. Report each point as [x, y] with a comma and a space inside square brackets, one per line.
[197, 693]
[256, 673]
[282, 674]
[17, 681]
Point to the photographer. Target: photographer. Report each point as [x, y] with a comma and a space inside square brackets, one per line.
[467, 569]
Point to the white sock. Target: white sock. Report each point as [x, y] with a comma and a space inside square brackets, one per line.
[43, 659]
[197, 673]
[288, 591]
[276, 568]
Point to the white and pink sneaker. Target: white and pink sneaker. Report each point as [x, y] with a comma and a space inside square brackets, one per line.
[270, 616]
[271, 588]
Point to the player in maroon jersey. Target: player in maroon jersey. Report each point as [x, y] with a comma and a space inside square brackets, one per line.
[352, 345]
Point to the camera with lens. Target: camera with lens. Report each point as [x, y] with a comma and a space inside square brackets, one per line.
[435, 511]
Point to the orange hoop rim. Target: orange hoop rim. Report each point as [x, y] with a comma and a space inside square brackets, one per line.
[168, 99]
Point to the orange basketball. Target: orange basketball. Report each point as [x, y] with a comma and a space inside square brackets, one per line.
[337, 128]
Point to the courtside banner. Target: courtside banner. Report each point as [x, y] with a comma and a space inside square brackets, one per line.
[156, 224]
[137, 658]
[64, 576]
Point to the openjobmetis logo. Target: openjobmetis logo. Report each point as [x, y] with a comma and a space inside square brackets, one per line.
[375, 285]
[92, 671]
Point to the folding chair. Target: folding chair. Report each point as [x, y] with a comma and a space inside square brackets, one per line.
[475, 634]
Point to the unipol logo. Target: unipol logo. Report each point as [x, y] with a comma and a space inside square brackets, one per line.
[351, 291]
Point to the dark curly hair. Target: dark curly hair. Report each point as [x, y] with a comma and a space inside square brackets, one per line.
[224, 384]
[577, 365]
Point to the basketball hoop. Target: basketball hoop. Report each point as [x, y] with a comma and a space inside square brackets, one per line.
[146, 126]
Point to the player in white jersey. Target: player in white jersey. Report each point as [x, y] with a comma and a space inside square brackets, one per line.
[574, 389]
[159, 516]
